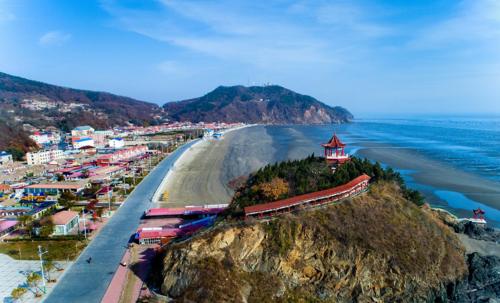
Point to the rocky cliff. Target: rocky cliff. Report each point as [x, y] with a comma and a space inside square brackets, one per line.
[377, 247]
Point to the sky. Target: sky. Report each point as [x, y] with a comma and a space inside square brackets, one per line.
[372, 57]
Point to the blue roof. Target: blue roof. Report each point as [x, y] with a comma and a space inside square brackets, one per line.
[119, 139]
[4, 153]
[83, 139]
[84, 127]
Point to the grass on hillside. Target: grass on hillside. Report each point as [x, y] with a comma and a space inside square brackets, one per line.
[57, 250]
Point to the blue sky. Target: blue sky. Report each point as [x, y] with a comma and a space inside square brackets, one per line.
[373, 57]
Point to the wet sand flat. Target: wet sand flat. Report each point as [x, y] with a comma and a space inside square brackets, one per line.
[437, 175]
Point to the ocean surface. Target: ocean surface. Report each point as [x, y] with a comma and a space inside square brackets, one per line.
[463, 151]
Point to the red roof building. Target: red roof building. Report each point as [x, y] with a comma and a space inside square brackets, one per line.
[322, 197]
[334, 151]
[183, 211]
[65, 222]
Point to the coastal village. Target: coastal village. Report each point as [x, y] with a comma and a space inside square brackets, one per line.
[74, 184]
[54, 200]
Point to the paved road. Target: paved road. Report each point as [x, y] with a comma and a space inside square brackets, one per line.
[85, 282]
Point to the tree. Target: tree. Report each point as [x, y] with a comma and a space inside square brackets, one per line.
[17, 293]
[25, 220]
[33, 280]
[275, 189]
[67, 199]
[26, 223]
[47, 228]
[17, 153]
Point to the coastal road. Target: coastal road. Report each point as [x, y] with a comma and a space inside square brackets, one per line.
[87, 282]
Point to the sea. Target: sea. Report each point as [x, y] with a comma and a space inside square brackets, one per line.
[453, 161]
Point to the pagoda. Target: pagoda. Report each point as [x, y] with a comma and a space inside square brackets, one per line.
[334, 151]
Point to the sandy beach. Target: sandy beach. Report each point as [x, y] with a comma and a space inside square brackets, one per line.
[202, 174]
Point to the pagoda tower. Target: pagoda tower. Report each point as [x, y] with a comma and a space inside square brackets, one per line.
[334, 151]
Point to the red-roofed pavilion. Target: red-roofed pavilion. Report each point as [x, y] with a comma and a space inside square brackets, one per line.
[334, 151]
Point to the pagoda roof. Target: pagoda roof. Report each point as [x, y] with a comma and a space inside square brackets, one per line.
[334, 142]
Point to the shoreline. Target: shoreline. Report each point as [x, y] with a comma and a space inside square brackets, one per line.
[196, 178]
[432, 177]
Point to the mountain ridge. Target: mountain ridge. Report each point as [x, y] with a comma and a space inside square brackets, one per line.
[271, 104]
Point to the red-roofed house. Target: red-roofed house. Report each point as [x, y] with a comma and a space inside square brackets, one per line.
[65, 222]
[7, 226]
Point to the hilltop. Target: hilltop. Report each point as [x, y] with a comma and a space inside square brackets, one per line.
[24, 101]
[256, 104]
[372, 248]
[292, 178]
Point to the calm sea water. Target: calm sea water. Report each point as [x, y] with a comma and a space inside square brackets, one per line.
[471, 145]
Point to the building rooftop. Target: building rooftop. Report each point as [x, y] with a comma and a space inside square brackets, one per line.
[58, 185]
[301, 198]
[83, 127]
[334, 142]
[6, 224]
[63, 217]
[5, 187]
[83, 140]
[4, 153]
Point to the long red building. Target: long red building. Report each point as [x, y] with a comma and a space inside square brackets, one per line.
[322, 197]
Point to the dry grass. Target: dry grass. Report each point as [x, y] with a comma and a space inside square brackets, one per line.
[384, 223]
[57, 250]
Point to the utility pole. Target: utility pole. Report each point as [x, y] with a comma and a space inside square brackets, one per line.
[40, 254]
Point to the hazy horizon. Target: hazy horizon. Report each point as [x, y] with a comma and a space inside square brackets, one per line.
[372, 57]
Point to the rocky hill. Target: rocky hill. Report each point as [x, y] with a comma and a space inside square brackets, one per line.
[377, 247]
[256, 104]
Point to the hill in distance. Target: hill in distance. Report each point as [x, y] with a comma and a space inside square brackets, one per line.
[256, 104]
[42, 104]
[24, 101]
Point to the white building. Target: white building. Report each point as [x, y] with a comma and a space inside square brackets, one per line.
[44, 156]
[46, 138]
[83, 142]
[40, 138]
[82, 131]
[107, 133]
[5, 158]
[116, 143]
